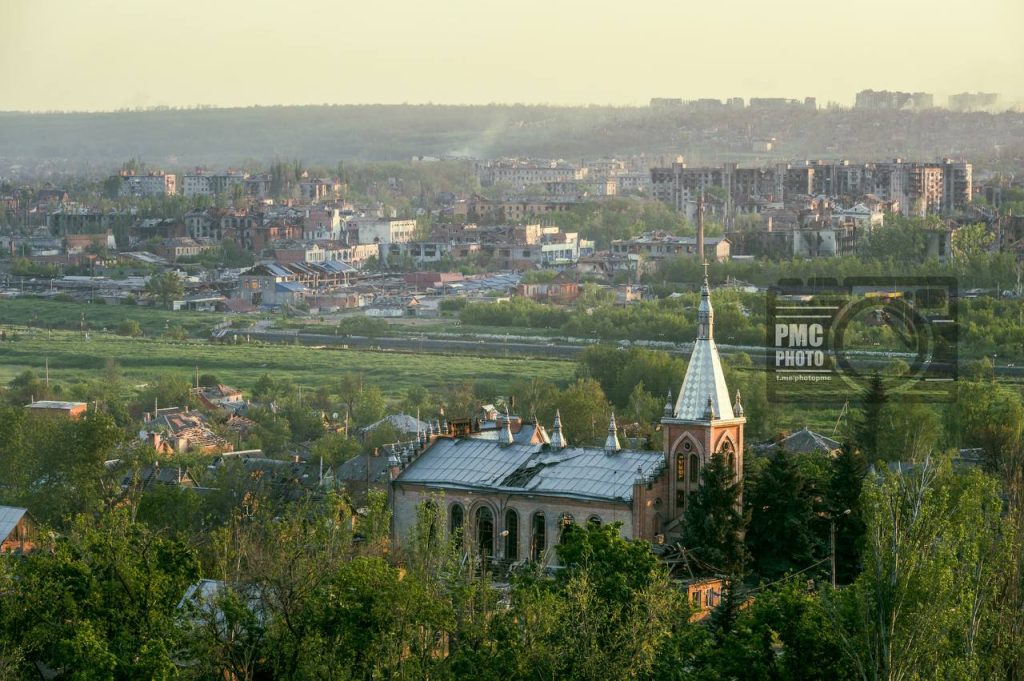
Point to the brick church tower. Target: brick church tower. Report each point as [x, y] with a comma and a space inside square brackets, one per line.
[703, 422]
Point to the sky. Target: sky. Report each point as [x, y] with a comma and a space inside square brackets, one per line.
[106, 54]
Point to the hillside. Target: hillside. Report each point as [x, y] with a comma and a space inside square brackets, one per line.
[178, 139]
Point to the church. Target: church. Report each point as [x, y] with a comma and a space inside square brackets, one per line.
[512, 496]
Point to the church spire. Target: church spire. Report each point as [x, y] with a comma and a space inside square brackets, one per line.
[705, 313]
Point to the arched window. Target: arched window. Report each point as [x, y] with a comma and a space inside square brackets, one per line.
[594, 521]
[694, 469]
[511, 535]
[458, 517]
[681, 467]
[538, 540]
[563, 524]
[730, 456]
[485, 531]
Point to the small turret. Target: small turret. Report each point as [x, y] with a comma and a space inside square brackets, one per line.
[444, 421]
[669, 409]
[505, 434]
[611, 445]
[737, 408]
[557, 436]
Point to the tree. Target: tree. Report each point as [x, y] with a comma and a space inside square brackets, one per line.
[874, 400]
[164, 287]
[781, 535]
[844, 493]
[934, 558]
[100, 602]
[616, 568]
[585, 412]
[713, 524]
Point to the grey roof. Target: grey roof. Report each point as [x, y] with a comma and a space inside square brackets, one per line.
[403, 422]
[524, 436]
[10, 516]
[586, 473]
[704, 376]
[804, 441]
[355, 469]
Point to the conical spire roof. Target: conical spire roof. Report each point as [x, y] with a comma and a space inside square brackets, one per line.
[557, 436]
[704, 376]
[611, 445]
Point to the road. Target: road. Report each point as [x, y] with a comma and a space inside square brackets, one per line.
[512, 348]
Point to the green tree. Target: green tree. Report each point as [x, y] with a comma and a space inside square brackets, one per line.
[713, 524]
[164, 287]
[844, 494]
[934, 558]
[872, 404]
[781, 534]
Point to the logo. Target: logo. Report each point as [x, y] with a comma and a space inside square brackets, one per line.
[825, 339]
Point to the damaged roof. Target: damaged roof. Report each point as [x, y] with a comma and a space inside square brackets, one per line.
[580, 472]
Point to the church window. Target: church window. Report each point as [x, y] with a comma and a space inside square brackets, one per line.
[458, 515]
[687, 445]
[485, 531]
[694, 469]
[563, 524]
[539, 541]
[681, 468]
[594, 521]
[511, 535]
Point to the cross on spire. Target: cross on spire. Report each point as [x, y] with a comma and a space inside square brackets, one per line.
[705, 270]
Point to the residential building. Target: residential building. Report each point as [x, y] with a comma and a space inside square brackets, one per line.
[18, 530]
[382, 230]
[894, 101]
[202, 183]
[71, 411]
[659, 246]
[154, 183]
[973, 101]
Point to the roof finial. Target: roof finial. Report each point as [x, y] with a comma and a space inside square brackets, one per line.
[557, 437]
[709, 410]
[669, 409]
[611, 445]
[737, 408]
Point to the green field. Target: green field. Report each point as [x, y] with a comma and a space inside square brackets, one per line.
[43, 313]
[73, 358]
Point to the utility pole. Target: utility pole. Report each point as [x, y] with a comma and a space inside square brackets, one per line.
[700, 228]
[832, 541]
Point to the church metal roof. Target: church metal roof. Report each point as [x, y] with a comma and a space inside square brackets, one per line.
[578, 472]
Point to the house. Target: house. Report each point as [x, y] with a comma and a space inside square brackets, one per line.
[562, 289]
[806, 441]
[180, 430]
[67, 410]
[18, 530]
[155, 474]
[221, 396]
[403, 423]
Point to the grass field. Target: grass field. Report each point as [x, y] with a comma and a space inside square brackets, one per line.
[43, 313]
[72, 358]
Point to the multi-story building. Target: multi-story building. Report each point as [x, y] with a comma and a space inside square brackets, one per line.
[156, 183]
[916, 188]
[525, 173]
[382, 230]
[973, 101]
[659, 246]
[210, 184]
[884, 99]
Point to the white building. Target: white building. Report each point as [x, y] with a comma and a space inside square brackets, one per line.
[157, 183]
[203, 184]
[384, 231]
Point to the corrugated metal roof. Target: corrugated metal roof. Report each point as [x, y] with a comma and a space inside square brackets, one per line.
[588, 473]
[10, 516]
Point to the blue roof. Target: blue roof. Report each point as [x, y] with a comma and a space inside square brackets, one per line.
[338, 266]
[292, 286]
[277, 270]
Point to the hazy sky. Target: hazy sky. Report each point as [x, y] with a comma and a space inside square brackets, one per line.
[108, 54]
